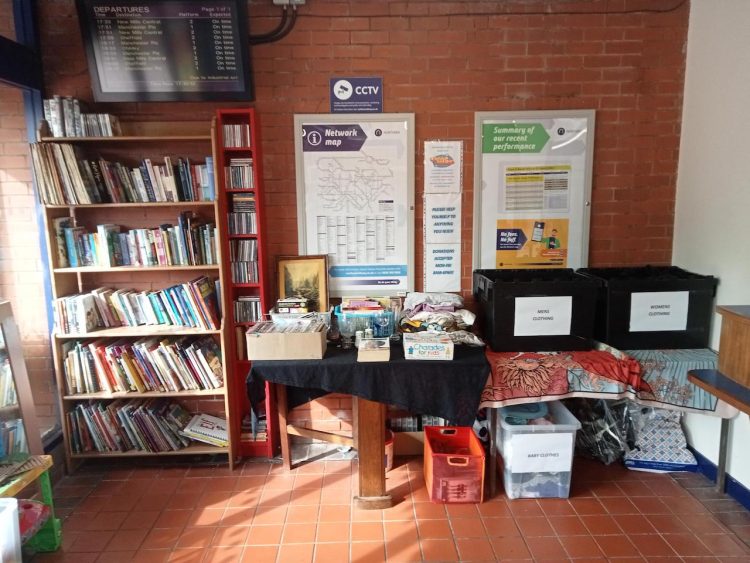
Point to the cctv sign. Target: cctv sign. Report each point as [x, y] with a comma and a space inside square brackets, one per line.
[356, 95]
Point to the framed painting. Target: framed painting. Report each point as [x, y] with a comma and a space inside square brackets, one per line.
[304, 277]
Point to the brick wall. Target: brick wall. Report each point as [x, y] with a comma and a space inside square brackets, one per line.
[444, 61]
[21, 279]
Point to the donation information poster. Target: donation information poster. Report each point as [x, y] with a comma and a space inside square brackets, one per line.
[533, 180]
[443, 165]
[355, 199]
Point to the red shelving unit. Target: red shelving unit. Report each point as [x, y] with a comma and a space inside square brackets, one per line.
[236, 360]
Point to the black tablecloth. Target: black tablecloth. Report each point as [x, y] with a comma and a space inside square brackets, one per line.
[449, 389]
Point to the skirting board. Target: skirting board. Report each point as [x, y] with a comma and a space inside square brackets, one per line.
[734, 488]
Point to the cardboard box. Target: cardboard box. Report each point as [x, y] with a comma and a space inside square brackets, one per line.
[408, 443]
[374, 350]
[427, 346]
[286, 345]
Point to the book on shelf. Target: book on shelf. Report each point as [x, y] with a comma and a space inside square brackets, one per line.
[65, 177]
[147, 425]
[191, 242]
[236, 135]
[193, 304]
[208, 429]
[8, 397]
[247, 309]
[148, 364]
[65, 119]
[245, 272]
[239, 174]
[12, 438]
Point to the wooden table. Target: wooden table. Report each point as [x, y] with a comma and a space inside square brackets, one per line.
[730, 392]
[49, 537]
[448, 389]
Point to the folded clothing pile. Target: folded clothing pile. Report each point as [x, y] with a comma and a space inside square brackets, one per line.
[439, 312]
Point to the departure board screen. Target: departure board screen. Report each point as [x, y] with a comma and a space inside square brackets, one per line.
[168, 50]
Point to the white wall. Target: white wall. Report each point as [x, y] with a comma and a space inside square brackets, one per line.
[712, 222]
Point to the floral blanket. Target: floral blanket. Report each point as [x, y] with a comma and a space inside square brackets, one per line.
[652, 377]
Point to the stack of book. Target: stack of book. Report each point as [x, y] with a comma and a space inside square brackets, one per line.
[64, 177]
[152, 425]
[207, 429]
[65, 119]
[243, 255]
[254, 427]
[147, 364]
[239, 174]
[236, 135]
[191, 242]
[247, 309]
[8, 396]
[193, 304]
[12, 438]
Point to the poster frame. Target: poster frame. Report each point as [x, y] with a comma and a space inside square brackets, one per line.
[583, 214]
[336, 119]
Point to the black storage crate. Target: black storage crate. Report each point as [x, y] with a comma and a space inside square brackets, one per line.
[496, 292]
[613, 312]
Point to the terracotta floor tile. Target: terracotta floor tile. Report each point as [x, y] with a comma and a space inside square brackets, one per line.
[88, 542]
[332, 532]
[549, 549]
[616, 546]
[429, 510]
[403, 510]
[299, 533]
[403, 550]
[494, 509]
[601, 524]
[182, 501]
[265, 535]
[438, 550]
[334, 513]
[304, 513]
[367, 531]
[260, 554]
[107, 521]
[140, 520]
[433, 529]
[462, 510]
[651, 505]
[305, 496]
[307, 481]
[588, 506]
[359, 515]
[223, 554]
[368, 552]
[161, 538]
[173, 519]
[124, 503]
[196, 537]
[501, 527]
[116, 557]
[618, 505]
[607, 489]
[250, 468]
[230, 536]
[525, 507]
[467, 528]
[635, 489]
[279, 482]
[667, 524]
[125, 540]
[296, 553]
[557, 507]
[270, 515]
[330, 552]
[153, 502]
[725, 545]
[475, 549]
[206, 517]
[401, 531]
[510, 548]
[244, 498]
[636, 524]
[653, 545]
[580, 546]
[534, 526]
[152, 555]
[238, 516]
[187, 555]
[702, 523]
[567, 525]
[79, 521]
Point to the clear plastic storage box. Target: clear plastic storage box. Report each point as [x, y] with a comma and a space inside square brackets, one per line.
[537, 459]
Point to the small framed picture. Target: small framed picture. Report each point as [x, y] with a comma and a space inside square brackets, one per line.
[305, 277]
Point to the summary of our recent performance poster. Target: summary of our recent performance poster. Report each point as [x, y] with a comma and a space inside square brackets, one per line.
[175, 46]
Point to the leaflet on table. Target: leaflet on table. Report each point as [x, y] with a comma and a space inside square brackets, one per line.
[443, 165]
[356, 202]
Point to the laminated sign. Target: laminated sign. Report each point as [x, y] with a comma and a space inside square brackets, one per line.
[543, 316]
[541, 453]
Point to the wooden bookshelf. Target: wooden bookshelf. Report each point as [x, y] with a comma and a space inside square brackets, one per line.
[237, 368]
[154, 140]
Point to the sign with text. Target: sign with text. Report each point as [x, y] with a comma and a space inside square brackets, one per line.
[443, 218]
[543, 316]
[167, 50]
[541, 453]
[356, 95]
[442, 267]
[659, 310]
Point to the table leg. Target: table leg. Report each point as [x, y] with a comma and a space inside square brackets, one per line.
[721, 468]
[371, 450]
[493, 451]
[49, 536]
[283, 409]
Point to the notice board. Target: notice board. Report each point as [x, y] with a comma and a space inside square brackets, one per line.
[532, 186]
[167, 50]
[355, 199]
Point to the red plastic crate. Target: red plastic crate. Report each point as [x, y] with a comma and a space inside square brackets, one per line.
[453, 464]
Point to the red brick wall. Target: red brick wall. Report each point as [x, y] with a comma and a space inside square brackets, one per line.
[20, 258]
[444, 65]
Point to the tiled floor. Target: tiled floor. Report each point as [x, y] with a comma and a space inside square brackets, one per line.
[261, 513]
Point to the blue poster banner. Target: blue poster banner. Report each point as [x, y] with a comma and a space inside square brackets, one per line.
[356, 95]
